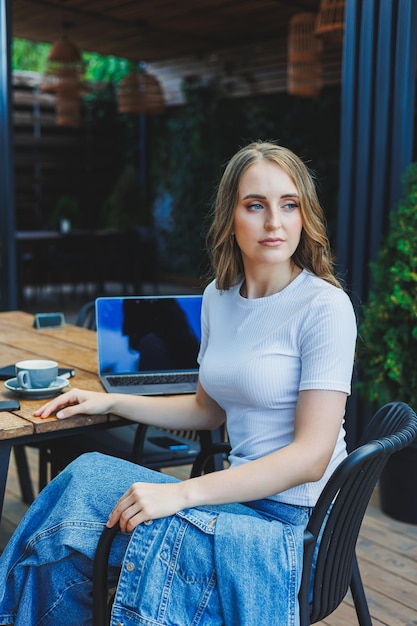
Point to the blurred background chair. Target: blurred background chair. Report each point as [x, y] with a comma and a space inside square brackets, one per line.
[87, 316]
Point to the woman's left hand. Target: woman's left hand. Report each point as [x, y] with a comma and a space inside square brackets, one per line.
[144, 502]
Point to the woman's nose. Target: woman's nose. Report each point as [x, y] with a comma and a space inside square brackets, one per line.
[273, 220]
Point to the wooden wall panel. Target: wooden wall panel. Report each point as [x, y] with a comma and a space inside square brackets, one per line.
[47, 158]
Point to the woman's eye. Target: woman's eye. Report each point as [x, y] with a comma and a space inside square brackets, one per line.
[290, 206]
[255, 207]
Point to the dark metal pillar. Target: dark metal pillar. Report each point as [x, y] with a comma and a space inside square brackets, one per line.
[8, 272]
[378, 93]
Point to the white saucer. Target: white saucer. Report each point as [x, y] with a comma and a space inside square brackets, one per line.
[59, 383]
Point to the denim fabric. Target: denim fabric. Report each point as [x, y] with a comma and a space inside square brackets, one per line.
[231, 564]
[168, 576]
[259, 565]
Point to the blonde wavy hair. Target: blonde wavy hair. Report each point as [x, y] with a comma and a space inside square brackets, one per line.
[313, 251]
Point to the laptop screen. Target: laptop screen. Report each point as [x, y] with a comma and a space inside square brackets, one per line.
[148, 333]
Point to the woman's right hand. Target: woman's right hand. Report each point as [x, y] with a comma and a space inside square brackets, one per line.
[74, 402]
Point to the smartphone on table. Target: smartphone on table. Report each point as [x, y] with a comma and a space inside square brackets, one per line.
[169, 443]
[9, 405]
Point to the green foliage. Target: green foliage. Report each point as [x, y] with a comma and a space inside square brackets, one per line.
[32, 56]
[192, 158]
[29, 55]
[387, 345]
[125, 208]
[104, 69]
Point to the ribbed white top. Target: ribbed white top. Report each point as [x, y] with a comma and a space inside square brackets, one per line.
[257, 354]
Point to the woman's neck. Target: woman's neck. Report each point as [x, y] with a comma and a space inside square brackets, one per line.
[258, 286]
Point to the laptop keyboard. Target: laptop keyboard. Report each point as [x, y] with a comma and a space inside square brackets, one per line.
[152, 379]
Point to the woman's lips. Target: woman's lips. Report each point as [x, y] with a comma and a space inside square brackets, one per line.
[270, 242]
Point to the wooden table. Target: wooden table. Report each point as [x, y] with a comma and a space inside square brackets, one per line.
[70, 346]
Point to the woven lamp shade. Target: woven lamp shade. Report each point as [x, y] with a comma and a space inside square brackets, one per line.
[330, 21]
[304, 57]
[63, 78]
[140, 92]
[68, 98]
[64, 55]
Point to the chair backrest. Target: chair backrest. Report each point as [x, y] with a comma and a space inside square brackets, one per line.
[87, 316]
[389, 419]
[337, 517]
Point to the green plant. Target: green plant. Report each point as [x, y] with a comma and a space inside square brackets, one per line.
[387, 345]
[125, 207]
[193, 167]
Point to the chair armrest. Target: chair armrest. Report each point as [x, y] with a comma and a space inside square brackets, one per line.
[100, 610]
[208, 453]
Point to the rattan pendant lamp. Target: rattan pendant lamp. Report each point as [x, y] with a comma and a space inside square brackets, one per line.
[304, 56]
[330, 22]
[140, 93]
[63, 77]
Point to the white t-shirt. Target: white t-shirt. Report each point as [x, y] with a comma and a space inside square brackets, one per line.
[257, 354]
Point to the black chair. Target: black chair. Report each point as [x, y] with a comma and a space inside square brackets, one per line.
[87, 316]
[332, 530]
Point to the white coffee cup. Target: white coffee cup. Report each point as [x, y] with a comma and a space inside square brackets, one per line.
[36, 373]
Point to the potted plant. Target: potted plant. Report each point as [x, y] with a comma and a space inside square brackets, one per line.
[387, 346]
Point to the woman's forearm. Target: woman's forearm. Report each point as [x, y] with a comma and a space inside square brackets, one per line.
[255, 480]
[186, 412]
[182, 412]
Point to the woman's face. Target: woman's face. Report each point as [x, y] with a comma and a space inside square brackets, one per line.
[267, 219]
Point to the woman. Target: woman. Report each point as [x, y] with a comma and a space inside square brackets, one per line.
[276, 358]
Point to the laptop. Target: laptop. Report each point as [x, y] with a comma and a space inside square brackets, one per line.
[148, 345]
